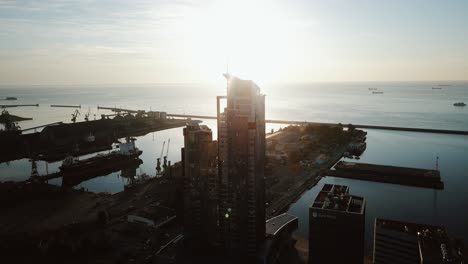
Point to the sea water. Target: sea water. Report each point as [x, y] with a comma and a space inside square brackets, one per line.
[406, 104]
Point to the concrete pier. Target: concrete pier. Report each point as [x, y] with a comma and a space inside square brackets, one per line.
[427, 178]
[291, 122]
[17, 105]
[71, 106]
[118, 110]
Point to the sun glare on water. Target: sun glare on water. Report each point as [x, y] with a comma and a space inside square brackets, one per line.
[252, 38]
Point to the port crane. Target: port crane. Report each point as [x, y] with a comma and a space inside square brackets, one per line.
[87, 115]
[167, 153]
[74, 115]
[34, 172]
[158, 160]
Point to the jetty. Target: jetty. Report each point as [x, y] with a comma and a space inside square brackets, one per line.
[293, 122]
[71, 106]
[118, 110]
[17, 105]
[55, 141]
[5, 117]
[388, 174]
[10, 98]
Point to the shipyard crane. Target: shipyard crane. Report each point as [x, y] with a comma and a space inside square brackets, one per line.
[167, 153]
[87, 115]
[74, 115]
[162, 150]
[34, 172]
[158, 160]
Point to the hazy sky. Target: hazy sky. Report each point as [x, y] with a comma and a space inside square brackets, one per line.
[177, 41]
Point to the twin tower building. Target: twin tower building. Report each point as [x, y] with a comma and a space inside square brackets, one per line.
[223, 186]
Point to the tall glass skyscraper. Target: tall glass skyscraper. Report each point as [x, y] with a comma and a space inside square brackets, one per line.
[241, 157]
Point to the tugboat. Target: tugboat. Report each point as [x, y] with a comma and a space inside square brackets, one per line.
[126, 154]
[459, 104]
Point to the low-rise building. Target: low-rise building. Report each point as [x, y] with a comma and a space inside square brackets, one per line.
[336, 226]
[403, 242]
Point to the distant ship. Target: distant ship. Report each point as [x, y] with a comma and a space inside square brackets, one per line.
[377, 92]
[372, 89]
[126, 154]
[436, 88]
[459, 104]
[11, 98]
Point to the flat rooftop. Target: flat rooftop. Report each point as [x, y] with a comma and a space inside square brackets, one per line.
[275, 224]
[337, 198]
[406, 227]
[198, 127]
[435, 246]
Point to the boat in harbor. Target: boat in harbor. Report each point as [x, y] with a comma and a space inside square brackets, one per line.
[126, 154]
[377, 92]
[11, 98]
[436, 88]
[459, 104]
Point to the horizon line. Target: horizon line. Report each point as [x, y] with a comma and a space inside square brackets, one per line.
[212, 82]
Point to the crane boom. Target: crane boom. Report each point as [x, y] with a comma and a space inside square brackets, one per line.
[74, 115]
[162, 150]
[167, 151]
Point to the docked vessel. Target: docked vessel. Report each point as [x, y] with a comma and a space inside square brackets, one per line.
[11, 98]
[377, 92]
[126, 154]
[459, 104]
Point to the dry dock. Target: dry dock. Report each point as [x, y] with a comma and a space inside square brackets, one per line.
[389, 174]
